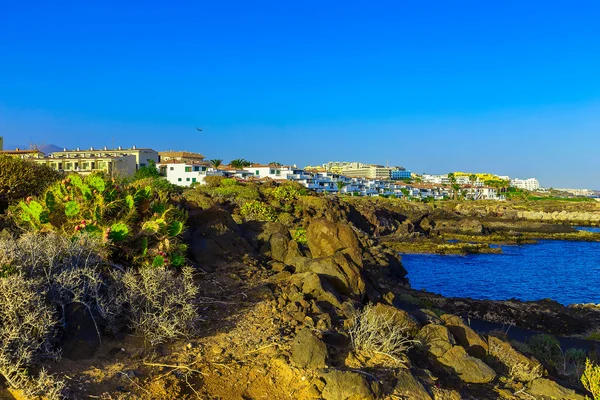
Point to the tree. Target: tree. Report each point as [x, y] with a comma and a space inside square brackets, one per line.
[240, 163]
[149, 171]
[473, 178]
[216, 162]
[21, 178]
[275, 164]
[340, 185]
[405, 193]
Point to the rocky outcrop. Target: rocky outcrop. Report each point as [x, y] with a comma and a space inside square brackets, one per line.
[545, 389]
[465, 336]
[308, 351]
[469, 369]
[348, 385]
[519, 366]
[214, 236]
[409, 387]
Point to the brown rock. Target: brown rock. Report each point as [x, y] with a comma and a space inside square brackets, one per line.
[469, 369]
[436, 339]
[347, 385]
[308, 351]
[408, 387]
[519, 366]
[545, 389]
[325, 238]
[465, 336]
[399, 318]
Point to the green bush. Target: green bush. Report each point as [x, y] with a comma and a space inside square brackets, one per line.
[257, 211]
[591, 379]
[300, 236]
[213, 180]
[285, 192]
[546, 348]
[21, 178]
[138, 223]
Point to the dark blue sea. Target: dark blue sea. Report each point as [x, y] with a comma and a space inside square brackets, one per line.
[565, 271]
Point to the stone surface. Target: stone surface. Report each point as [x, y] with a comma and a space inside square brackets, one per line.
[347, 385]
[325, 238]
[341, 272]
[545, 389]
[408, 387]
[436, 339]
[308, 351]
[317, 288]
[469, 369]
[519, 366]
[465, 336]
[399, 318]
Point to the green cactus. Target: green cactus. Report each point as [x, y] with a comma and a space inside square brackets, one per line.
[72, 209]
[118, 232]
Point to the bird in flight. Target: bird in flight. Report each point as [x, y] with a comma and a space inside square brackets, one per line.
[199, 129]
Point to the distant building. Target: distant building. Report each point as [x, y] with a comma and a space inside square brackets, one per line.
[115, 166]
[527, 184]
[182, 156]
[24, 154]
[401, 174]
[142, 156]
[360, 170]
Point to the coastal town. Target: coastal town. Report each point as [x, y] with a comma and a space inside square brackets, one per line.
[186, 168]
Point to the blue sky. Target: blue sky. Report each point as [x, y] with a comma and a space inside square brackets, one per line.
[508, 87]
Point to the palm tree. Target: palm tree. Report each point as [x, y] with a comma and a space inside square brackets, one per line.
[240, 163]
[473, 178]
[216, 162]
[340, 186]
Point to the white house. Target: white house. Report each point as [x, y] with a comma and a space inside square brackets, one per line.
[261, 171]
[186, 173]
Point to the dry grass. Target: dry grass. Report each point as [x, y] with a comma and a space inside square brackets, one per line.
[161, 303]
[377, 333]
[591, 379]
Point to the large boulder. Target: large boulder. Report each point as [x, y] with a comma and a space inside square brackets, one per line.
[348, 385]
[519, 366]
[308, 351]
[408, 387]
[325, 238]
[340, 270]
[545, 389]
[465, 336]
[213, 235]
[398, 317]
[317, 288]
[436, 339]
[469, 369]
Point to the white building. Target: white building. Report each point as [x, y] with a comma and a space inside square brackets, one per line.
[527, 184]
[261, 171]
[186, 173]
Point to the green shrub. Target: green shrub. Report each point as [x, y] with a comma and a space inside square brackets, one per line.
[137, 222]
[213, 180]
[257, 211]
[285, 192]
[300, 236]
[591, 379]
[546, 348]
[21, 178]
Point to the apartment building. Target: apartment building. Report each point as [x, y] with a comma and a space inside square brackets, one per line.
[527, 184]
[360, 170]
[23, 154]
[115, 166]
[142, 156]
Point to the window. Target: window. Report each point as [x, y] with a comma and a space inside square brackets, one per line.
[171, 169]
[178, 179]
[203, 168]
[142, 164]
[188, 169]
[193, 179]
[257, 172]
[196, 169]
[272, 172]
[187, 179]
[277, 172]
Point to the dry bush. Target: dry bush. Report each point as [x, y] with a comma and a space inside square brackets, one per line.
[378, 333]
[161, 303]
[28, 335]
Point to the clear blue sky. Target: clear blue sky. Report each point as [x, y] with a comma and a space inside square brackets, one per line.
[510, 87]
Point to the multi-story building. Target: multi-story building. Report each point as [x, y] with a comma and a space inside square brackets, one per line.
[399, 173]
[527, 184]
[360, 170]
[181, 156]
[272, 171]
[115, 166]
[142, 156]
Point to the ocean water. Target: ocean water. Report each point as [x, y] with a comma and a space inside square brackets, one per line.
[565, 271]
